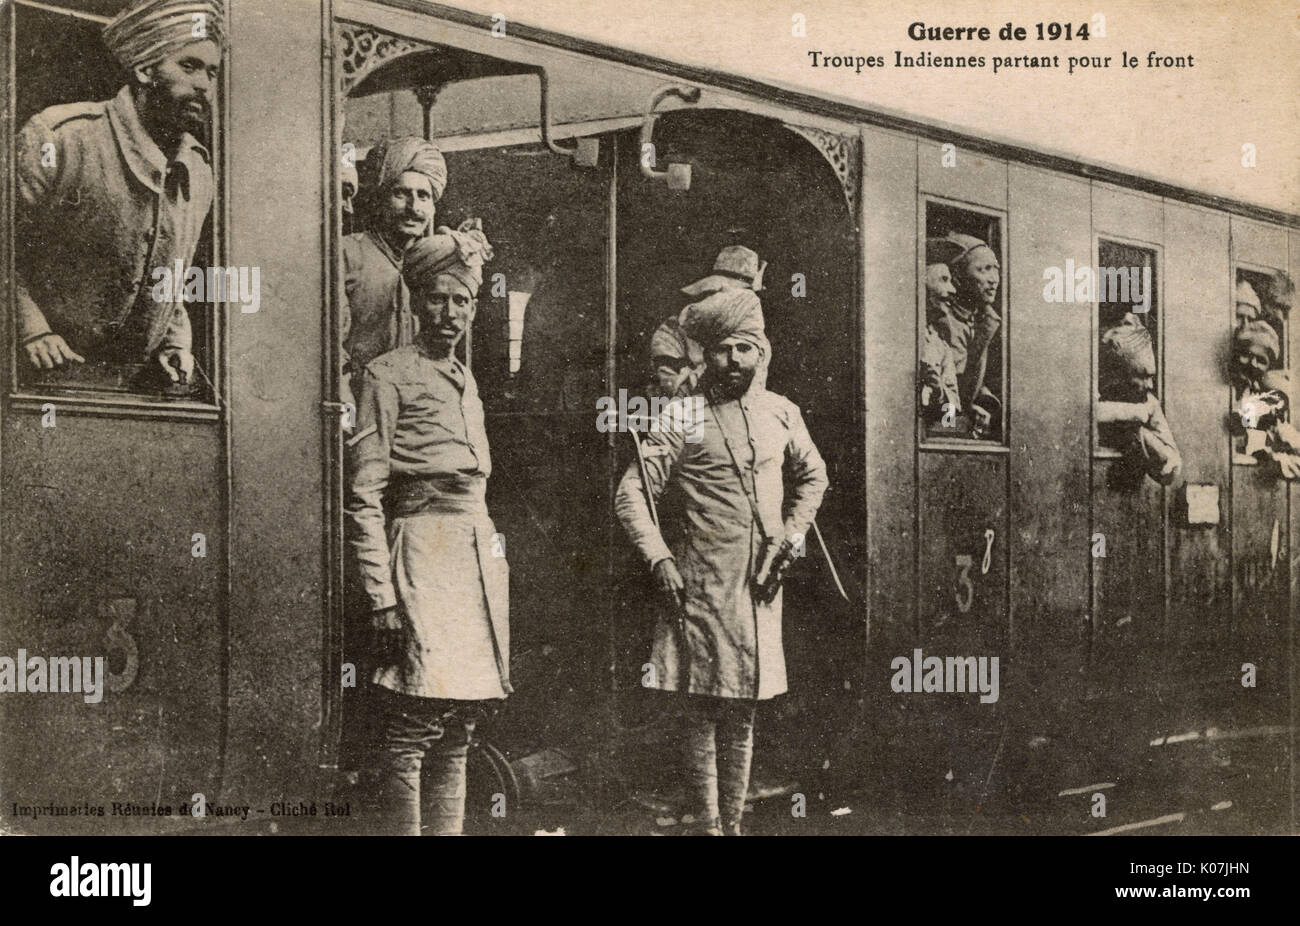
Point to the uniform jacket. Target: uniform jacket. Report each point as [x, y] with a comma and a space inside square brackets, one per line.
[734, 645]
[99, 209]
[376, 303]
[420, 452]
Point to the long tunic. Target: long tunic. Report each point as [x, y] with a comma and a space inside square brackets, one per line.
[734, 642]
[419, 528]
[99, 209]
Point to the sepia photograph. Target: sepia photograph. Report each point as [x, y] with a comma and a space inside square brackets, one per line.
[573, 418]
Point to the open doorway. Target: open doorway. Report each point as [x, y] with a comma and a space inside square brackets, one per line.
[758, 184]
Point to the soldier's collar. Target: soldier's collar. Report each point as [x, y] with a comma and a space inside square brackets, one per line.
[142, 153]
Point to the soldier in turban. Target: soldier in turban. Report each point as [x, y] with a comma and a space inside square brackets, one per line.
[969, 329]
[940, 395]
[399, 185]
[1255, 348]
[1248, 304]
[426, 549]
[719, 649]
[676, 361]
[1129, 415]
[109, 192]
[1266, 398]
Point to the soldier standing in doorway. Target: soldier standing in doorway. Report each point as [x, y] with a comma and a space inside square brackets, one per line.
[426, 549]
[720, 651]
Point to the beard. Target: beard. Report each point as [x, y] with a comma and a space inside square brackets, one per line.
[175, 115]
[725, 386]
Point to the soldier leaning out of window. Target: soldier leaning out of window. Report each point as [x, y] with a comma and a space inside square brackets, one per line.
[108, 192]
[1128, 412]
[1266, 399]
[970, 327]
[940, 395]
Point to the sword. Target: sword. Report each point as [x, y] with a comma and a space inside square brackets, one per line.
[645, 477]
[826, 552]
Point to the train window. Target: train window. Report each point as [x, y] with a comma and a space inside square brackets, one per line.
[1262, 393]
[962, 376]
[1128, 357]
[115, 272]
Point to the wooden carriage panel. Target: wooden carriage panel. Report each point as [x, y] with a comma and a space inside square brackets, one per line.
[1197, 288]
[99, 545]
[277, 612]
[961, 581]
[1128, 583]
[1125, 214]
[889, 274]
[970, 177]
[1049, 422]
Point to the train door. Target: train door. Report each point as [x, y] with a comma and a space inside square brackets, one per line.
[1261, 538]
[962, 454]
[1129, 510]
[788, 192]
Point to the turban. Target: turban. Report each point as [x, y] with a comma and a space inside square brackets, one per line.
[731, 313]
[670, 341]
[393, 157]
[148, 31]
[1248, 306]
[943, 250]
[965, 244]
[1126, 349]
[1258, 334]
[459, 253]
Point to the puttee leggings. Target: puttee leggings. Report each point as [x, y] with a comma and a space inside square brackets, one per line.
[717, 749]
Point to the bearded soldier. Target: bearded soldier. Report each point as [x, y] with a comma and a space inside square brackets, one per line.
[109, 192]
[429, 560]
[400, 184]
[720, 570]
[676, 362]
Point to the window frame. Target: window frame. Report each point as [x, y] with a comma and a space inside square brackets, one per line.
[36, 398]
[926, 442]
[1099, 450]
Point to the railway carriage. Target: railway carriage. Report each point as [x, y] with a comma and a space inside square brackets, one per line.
[194, 537]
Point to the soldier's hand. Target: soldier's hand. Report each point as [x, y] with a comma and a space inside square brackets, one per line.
[386, 634]
[177, 364]
[347, 398]
[670, 583]
[50, 351]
